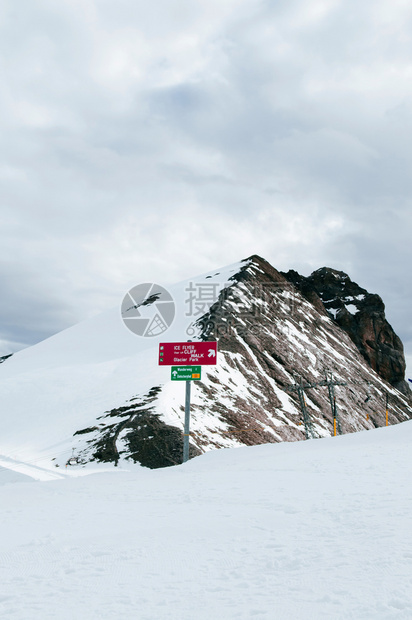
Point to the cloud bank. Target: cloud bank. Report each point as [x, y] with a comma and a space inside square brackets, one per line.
[155, 141]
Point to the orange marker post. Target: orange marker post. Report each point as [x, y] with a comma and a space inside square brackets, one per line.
[387, 408]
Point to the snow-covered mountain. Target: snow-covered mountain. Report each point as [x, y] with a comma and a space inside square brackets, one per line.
[95, 392]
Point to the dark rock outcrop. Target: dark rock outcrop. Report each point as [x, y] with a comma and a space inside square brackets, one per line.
[361, 315]
[142, 435]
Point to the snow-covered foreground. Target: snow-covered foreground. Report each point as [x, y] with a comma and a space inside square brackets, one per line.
[316, 529]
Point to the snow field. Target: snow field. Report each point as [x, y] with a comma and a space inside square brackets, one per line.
[306, 530]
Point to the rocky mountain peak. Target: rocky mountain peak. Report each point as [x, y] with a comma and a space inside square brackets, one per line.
[277, 338]
[361, 315]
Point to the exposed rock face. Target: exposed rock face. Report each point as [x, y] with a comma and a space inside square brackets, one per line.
[269, 335]
[361, 315]
[142, 433]
[3, 358]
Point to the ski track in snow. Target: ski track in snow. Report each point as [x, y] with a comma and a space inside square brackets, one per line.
[35, 472]
[307, 530]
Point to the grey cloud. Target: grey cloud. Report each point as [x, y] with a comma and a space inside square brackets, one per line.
[127, 117]
[28, 312]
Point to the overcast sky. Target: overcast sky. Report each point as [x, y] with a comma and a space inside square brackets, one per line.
[152, 141]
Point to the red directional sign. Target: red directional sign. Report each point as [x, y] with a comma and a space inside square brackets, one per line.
[187, 353]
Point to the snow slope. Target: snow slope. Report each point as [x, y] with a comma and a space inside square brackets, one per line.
[51, 390]
[304, 531]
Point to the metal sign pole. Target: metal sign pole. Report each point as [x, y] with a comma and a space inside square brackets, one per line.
[186, 360]
[306, 419]
[187, 424]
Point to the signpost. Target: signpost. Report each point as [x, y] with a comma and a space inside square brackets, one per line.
[186, 373]
[181, 356]
[187, 353]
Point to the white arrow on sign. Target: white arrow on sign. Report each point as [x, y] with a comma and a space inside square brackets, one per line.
[212, 353]
[174, 373]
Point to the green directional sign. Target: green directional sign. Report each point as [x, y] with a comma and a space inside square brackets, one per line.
[186, 373]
